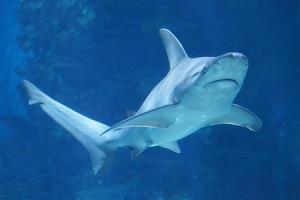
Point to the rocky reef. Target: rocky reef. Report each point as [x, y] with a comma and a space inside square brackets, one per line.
[48, 29]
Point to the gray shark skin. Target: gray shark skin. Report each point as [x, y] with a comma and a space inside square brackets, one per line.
[196, 92]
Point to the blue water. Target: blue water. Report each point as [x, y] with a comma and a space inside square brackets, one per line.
[104, 57]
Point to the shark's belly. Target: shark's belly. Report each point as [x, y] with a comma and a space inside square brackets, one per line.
[188, 121]
[174, 133]
[186, 124]
[147, 137]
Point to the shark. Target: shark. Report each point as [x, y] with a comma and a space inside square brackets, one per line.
[195, 93]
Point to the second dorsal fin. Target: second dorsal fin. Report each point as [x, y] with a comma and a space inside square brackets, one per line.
[174, 49]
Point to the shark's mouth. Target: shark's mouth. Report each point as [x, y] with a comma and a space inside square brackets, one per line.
[224, 80]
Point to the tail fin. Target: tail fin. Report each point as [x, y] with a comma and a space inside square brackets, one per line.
[85, 130]
[35, 94]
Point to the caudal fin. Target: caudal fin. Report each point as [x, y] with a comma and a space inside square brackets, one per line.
[35, 95]
[101, 157]
[84, 129]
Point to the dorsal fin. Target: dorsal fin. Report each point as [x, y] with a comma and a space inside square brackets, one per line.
[130, 113]
[174, 49]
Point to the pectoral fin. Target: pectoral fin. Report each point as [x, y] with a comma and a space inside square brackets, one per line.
[240, 116]
[161, 117]
[173, 146]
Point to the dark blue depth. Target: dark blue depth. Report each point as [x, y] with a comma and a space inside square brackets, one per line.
[102, 58]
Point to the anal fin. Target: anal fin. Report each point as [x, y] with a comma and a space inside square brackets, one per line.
[173, 146]
[135, 151]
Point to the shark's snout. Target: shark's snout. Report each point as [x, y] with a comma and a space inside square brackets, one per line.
[229, 69]
[234, 60]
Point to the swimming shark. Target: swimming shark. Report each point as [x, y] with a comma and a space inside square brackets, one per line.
[195, 93]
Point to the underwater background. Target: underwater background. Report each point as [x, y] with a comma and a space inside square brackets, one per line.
[102, 58]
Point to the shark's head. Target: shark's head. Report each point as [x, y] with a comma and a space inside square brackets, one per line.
[223, 73]
[211, 79]
[217, 78]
